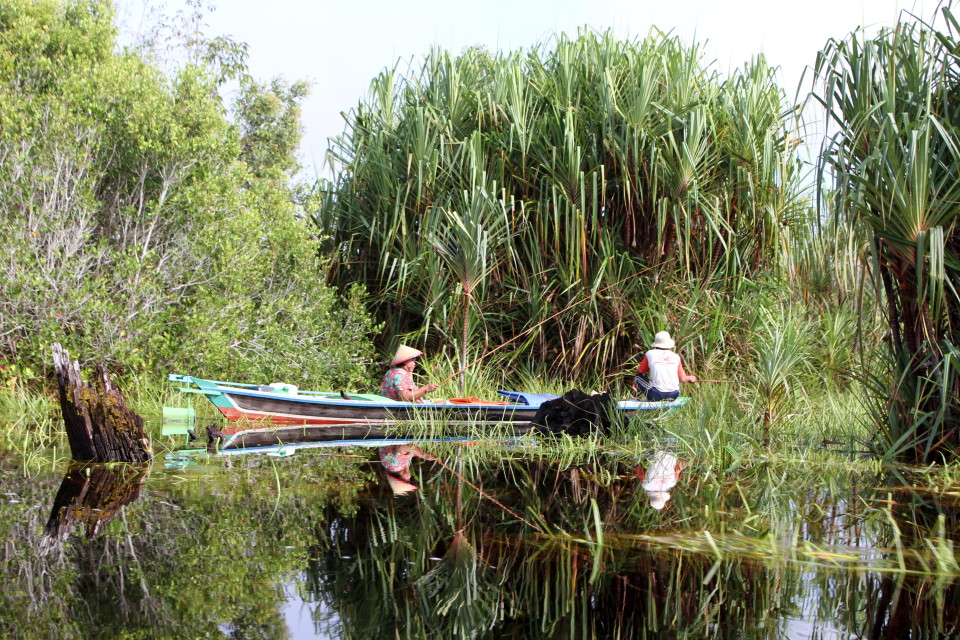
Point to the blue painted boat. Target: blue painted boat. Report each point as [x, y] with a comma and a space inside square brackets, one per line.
[268, 414]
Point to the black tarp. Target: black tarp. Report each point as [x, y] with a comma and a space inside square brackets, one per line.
[576, 414]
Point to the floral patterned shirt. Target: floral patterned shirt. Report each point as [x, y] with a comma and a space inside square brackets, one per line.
[395, 459]
[395, 381]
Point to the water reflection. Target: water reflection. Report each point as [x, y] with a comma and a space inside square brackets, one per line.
[655, 578]
[661, 475]
[396, 460]
[91, 495]
[308, 547]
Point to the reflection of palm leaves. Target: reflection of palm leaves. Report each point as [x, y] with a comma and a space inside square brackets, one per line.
[461, 592]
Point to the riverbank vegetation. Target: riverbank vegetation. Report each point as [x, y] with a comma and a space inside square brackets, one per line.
[528, 218]
[149, 225]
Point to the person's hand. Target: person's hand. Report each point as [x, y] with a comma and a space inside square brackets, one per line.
[691, 378]
[430, 386]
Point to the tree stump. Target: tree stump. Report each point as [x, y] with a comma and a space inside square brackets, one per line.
[100, 425]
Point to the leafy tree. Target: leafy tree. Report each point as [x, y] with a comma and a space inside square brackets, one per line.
[147, 226]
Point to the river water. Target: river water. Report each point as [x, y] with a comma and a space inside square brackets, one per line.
[493, 543]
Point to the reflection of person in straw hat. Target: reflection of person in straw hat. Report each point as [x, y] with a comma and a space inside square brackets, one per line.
[396, 461]
[661, 475]
[661, 372]
[398, 382]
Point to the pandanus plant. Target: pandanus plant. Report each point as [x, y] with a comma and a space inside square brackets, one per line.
[779, 351]
[467, 241]
[895, 161]
[611, 157]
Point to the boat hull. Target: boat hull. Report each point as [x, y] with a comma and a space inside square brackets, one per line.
[261, 416]
[305, 411]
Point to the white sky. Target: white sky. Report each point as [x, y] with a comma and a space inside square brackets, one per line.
[339, 46]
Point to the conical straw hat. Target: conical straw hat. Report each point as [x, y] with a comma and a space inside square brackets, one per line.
[399, 486]
[404, 353]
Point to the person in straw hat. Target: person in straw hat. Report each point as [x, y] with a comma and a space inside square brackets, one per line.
[661, 372]
[398, 382]
[396, 463]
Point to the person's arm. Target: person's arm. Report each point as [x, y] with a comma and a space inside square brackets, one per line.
[678, 468]
[683, 375]
[644, 366]
[641, 370]
[418, 452]
[414, 394]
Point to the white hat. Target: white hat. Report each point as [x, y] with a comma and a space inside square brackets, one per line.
[658, 498]
[404, 354]
[663, 341]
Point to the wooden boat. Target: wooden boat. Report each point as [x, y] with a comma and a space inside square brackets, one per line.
[261, 415]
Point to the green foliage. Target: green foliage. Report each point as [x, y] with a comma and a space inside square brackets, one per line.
[895, 161]
[615, 167]
[270, 126]
[143, 227]
[779, 355]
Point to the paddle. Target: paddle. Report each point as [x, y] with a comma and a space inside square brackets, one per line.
[627, 373]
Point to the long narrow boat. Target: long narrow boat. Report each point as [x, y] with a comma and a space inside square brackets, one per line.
[260, 415]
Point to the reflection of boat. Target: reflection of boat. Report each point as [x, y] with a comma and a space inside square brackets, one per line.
[285, 450]
[282, 413]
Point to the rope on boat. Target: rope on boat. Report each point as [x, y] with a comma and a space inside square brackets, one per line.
[489, 497]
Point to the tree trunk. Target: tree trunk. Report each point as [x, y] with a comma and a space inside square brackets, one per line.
[100, 425]
[463, 343]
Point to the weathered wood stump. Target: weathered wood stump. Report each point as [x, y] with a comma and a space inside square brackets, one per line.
[100, 425]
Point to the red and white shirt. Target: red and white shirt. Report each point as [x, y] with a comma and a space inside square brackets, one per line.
[664, 368]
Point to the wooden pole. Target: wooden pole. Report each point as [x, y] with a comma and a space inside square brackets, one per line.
[100, 426]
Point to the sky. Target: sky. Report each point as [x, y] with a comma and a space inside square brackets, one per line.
[339, 47]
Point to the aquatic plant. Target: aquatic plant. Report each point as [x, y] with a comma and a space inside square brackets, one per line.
[621, 167]
[894, 158]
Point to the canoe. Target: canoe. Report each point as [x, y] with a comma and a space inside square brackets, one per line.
[268, 414]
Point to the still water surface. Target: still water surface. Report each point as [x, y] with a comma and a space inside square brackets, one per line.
[492, 544]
